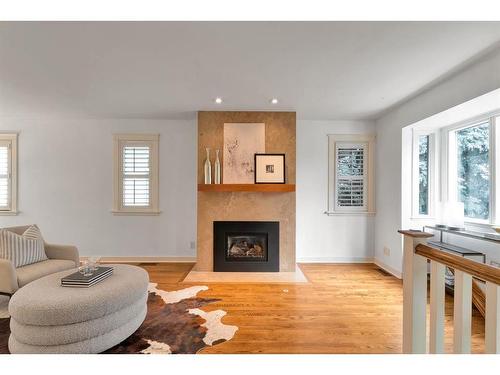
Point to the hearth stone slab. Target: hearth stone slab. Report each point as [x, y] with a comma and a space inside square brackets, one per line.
[246, 277]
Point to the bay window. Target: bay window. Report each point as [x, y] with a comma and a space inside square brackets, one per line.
[423, 173]
[473, 170]
[458, 163]
[469, 173]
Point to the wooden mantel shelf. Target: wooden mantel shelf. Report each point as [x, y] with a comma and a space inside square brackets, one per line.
[264, 188]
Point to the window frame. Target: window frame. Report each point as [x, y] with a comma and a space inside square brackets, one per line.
[432, 173]
[120, 141]
[367, 142]
[11, 139]
[449, 162]
[363, 177]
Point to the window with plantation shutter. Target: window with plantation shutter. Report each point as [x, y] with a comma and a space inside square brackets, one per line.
[350, 174]
[8, 173]
[4, 176]
[136, 174]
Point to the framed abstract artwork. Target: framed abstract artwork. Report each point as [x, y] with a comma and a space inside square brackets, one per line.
[269, 169]
[241, 142]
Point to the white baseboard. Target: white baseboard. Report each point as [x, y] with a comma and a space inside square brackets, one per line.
[389, 269]
[146, 259]
[334, 260]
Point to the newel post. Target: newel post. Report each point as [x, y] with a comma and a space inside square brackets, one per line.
[414, 293]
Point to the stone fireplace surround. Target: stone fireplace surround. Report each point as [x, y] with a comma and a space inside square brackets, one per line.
[247, 206]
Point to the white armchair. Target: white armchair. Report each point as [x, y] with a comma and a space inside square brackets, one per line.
[61, 257]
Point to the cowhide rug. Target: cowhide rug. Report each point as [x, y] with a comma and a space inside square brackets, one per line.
[175, 323]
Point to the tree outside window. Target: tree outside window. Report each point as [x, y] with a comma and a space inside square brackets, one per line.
[473, 170]
[423, 175]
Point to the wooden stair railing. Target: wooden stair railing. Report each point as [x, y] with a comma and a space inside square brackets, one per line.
[415, 258]
[480, 270]
[478, 297]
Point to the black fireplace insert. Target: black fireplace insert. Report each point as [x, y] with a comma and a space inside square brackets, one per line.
[246, 246]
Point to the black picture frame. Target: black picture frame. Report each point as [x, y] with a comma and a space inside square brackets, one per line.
[256, 167]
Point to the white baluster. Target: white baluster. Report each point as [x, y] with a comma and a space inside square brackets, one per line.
[436, 340]
[492, 317]
[462, 312]
[414, 297]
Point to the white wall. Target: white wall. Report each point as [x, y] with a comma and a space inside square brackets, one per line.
[475, 80]
[321, 237]
[66, 186]
[65, 180]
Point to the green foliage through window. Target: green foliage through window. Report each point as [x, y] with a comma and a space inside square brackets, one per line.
[350, 161]
[473, 170]
[423, 175]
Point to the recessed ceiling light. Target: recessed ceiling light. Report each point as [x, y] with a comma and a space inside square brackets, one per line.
[218, 100]
[274, 101]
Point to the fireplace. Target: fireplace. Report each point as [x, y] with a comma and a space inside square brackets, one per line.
[246, 246]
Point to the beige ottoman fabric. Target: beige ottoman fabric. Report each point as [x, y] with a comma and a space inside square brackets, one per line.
[70, 333]
[94, 345]
[48, 318]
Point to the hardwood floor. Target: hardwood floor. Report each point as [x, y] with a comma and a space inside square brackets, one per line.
[346, 308]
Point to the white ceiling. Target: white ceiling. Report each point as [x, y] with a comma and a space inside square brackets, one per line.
[322, 70]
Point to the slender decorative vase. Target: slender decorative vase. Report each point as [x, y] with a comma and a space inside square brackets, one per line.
[217, 171]
[208, 168]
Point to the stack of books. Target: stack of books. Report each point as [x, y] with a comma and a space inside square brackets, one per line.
[78, 280]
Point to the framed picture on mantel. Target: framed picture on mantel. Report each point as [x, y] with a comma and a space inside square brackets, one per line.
[269, 168]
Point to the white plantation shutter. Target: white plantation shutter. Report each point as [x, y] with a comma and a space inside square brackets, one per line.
[8, 173]
[350, 175]
[136, 162]
[5, 179]
[136, 177]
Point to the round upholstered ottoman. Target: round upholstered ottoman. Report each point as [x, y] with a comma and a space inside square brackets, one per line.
[49, 318]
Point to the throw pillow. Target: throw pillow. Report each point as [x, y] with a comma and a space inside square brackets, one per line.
[24, 249]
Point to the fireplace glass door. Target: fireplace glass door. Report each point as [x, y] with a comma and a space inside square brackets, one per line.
[243, 247]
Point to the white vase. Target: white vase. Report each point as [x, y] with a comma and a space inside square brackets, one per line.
[208, 168]
[217, 170]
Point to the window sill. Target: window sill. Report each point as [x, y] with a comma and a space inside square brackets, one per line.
[9, 213]
[479, 227]
[135, 213]
[336, 213]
